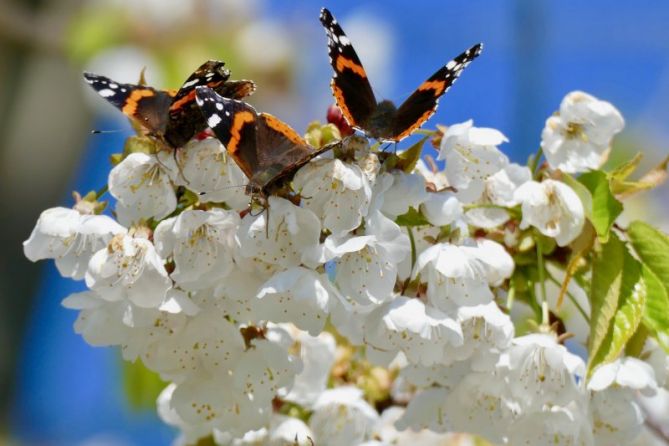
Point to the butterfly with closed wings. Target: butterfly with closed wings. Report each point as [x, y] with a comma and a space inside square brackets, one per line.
[169, 115]
[265, 148]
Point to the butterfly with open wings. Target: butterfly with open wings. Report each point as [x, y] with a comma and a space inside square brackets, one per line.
[354, 96]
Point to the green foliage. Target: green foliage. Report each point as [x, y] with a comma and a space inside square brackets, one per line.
[624, 188]
[141, 385]
[617, 297]
[652, 248]
[605, 207]
[412, 218]
[407, 159]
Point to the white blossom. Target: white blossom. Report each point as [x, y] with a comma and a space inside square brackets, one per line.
[129, 269]
[388, 434]
[471, 156]
[442, 208]
[499, 191]
[205, 168]
[555, 426]
[201, 244]
[486, 332]
[318, 357]
[435, 179]
[542, 372]
[617, 417]
[70, 238]
[658, 359]
[480, 404]
[421, 332]
[578, 137]
[337, 192]
[342, 418]
[224, 384]
[142, 187]
[553, 208]
[288, 240]
[136, 330]
[366, 265]
[403, 192]
[298, 295]
[456, 275]
[289, 431]
[427, 410]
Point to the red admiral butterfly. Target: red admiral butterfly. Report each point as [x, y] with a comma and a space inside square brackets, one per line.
[264, 147]
[169, 115]
[354, 95]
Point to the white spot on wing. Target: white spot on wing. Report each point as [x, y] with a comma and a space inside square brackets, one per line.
[191, 83]
[213, 121]
[105, 93]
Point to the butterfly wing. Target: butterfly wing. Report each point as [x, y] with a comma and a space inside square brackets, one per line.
[350, 86]
[422, 104]
[234, 124]
[284, 152]
[185, 119]
[145, 105]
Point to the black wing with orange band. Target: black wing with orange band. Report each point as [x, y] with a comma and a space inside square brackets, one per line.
[185, 119]
[422, 104]
[350, 86]
[143, 104]
[171, 115]
[263, 146]
[234, 124]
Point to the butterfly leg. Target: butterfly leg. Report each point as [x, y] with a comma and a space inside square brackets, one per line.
[175, 154]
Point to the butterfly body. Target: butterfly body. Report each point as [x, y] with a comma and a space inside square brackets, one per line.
[382, 119]
[171, 116]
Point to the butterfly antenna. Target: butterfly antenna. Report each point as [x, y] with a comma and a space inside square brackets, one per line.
[99, 132]
[223, 188]
[266, 204]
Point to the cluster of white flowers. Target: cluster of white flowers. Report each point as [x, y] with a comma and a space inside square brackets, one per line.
[256, 318]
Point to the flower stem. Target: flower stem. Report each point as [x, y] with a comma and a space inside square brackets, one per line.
[571, 298]
[103, 190]
[425, 132]
[413, 247]
[534, 161]
[542, 280]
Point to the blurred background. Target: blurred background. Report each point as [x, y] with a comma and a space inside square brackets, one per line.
[56, 390]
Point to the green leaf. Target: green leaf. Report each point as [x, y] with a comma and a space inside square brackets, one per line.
[652, 247]
[618, 296]
[627, 168]
[656, 314]
[412, 218]
[142, 386]
[653, 178]
[605, 207]
[407, 159]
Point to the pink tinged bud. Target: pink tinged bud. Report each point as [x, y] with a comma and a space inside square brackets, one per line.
[336, 117]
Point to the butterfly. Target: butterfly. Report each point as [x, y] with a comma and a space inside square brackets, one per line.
[354, 96]
[169, 115]
[265, 148]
